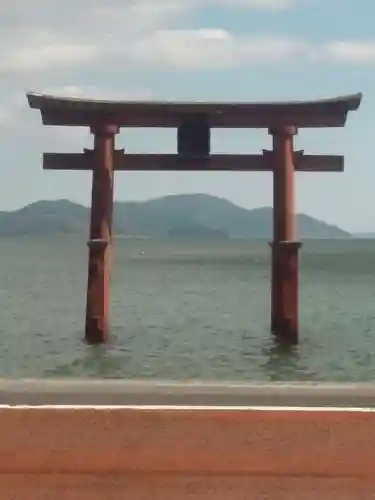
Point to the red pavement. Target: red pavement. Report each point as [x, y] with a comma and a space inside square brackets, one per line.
[186, 454]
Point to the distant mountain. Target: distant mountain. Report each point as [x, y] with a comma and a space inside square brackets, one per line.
[45, 217]
[158, 218]
[365, 236]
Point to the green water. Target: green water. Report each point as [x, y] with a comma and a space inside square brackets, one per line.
[186, 310]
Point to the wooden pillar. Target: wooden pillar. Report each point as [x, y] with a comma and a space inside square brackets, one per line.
[98, 283]
[285, 247]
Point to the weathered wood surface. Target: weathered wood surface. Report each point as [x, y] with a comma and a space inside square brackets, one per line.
[210, 163]
[84, 112]
[192, 453]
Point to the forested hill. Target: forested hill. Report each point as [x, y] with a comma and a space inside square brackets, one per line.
[159, 218]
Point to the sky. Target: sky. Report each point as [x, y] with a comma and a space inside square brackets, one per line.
[215, 50]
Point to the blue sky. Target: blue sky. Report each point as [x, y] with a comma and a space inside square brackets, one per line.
[245, 50]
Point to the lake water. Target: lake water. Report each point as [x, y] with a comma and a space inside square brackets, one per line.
[186, 310]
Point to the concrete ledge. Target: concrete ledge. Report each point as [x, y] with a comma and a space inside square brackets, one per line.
[119, 392]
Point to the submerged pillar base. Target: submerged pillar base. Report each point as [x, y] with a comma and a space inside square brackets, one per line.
[97, 308]
[284, 291]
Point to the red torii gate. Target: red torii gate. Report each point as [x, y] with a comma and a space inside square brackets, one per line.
[193, 122]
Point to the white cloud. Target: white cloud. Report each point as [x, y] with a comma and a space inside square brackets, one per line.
[259, 4]
[84, 20]
[43, 36]
[40, 36]
[94, 92]
[353, 52]
[211, 49]
[39, 57]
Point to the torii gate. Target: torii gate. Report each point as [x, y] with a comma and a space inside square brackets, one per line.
[193, 122]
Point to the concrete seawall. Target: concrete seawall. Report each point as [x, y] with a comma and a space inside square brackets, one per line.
[159, 392]
[138, 440]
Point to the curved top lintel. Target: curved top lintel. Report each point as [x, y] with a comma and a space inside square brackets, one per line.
[78, 111]
[40, 101]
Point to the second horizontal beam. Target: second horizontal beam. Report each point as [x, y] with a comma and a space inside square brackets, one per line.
[173, 162]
